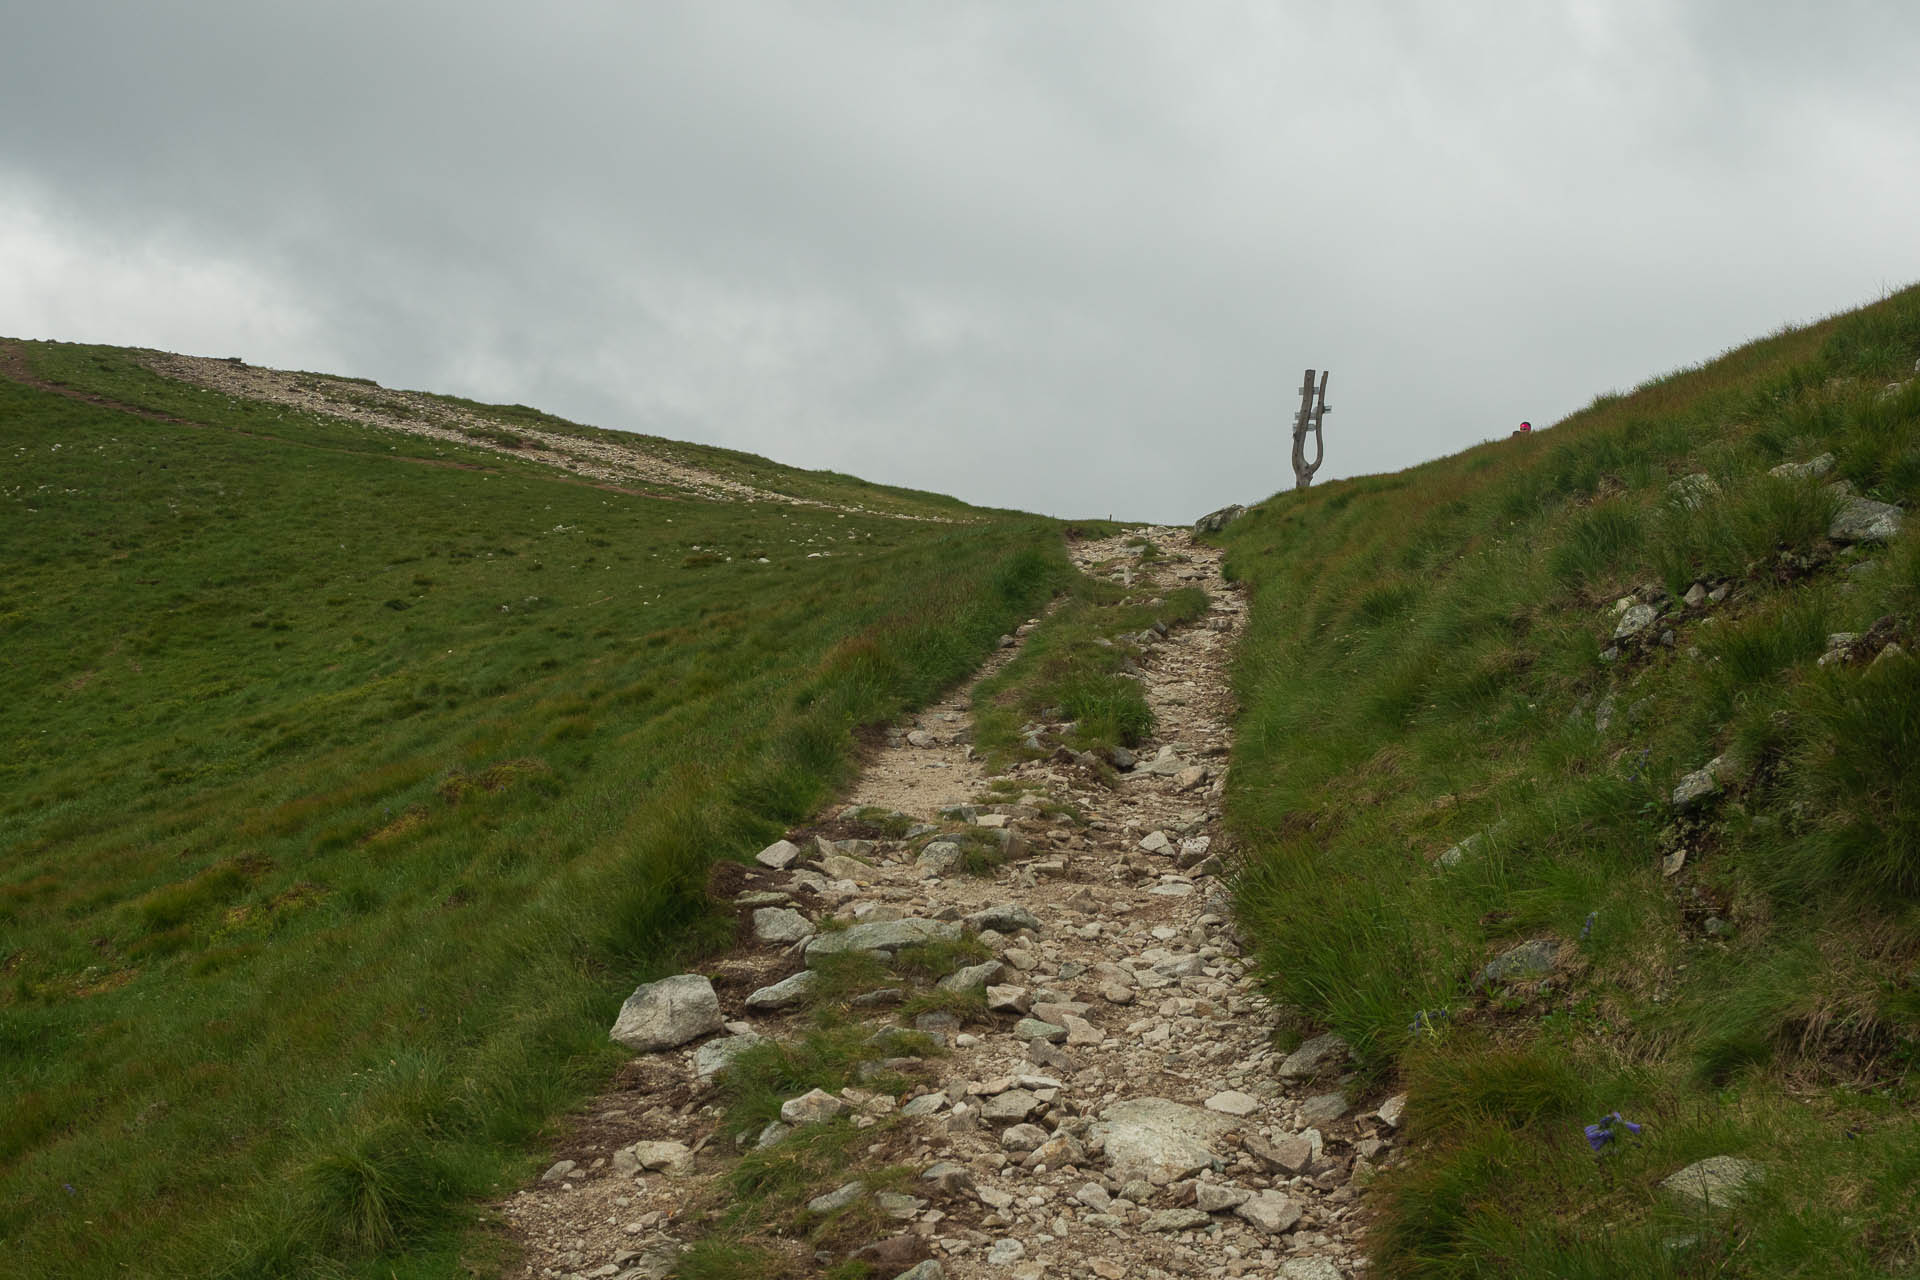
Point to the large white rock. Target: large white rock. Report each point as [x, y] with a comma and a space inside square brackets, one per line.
[1159, 1139]
[668, 1013]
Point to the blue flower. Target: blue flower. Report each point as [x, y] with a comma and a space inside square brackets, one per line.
[1427, 1020]
[1601, 1132]
[1586, 929]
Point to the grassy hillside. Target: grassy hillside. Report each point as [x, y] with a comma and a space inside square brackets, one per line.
[350, 779]
[1444, 754]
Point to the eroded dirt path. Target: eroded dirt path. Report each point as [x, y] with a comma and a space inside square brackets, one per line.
[614, 460]
[1122, 1114]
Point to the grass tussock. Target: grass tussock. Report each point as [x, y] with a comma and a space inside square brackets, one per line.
[1441, 736]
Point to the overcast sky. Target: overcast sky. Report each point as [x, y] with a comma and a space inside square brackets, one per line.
[1070, 257]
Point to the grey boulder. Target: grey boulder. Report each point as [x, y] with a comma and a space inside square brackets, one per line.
[1864, 520]
[667, 1014]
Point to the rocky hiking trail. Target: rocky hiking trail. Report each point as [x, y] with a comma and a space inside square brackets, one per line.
[1097, 1092]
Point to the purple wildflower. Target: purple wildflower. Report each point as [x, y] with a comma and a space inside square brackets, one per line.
[1586, 929]
[1601, 1132]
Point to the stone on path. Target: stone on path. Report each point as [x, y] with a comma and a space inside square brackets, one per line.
[1035, 1029]
[1233, 1103]
[781, 925]
[1713, 1183]
[811, 1107]
[1325, 1106]
[975, 977]
[1159, 1139]
[1007, 919]
[1006, 1252]
[1211, 1197]
[717, 1055]
[655, 1157]
[667, 1014]
[1392, 1110]
[1317, 1055]
[1310, 1269]
[779, 855]
[882, 935]
[928, 1270]
[788, 991]
[1174, 1220]
[1270, 1211]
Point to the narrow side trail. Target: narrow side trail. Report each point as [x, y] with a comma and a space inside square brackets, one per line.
[1121, 1113]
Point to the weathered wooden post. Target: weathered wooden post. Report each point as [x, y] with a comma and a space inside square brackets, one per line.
[1308, 419]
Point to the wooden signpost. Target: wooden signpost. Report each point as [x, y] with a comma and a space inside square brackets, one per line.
[1308, 419]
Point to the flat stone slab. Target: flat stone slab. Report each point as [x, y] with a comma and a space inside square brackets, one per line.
[667, 1014]
[1714, 1183]
[1233, 1103]
[1159, 1139]
[779, 855]
[882, 935]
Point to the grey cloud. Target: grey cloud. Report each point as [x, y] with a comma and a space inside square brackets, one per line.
[1065, 257]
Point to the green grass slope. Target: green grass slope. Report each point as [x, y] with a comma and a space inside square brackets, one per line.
[1428, 667]
[348, 781]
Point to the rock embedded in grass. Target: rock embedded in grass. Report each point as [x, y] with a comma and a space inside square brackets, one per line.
[811, 1107]
[716, 1055]
[1634, 621]
[1864, 520]
[1318, 1055]
[1714, 1183]
[667, 1014]
[1530, 959]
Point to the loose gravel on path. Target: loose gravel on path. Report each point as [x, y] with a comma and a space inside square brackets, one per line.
[1127, 1115]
